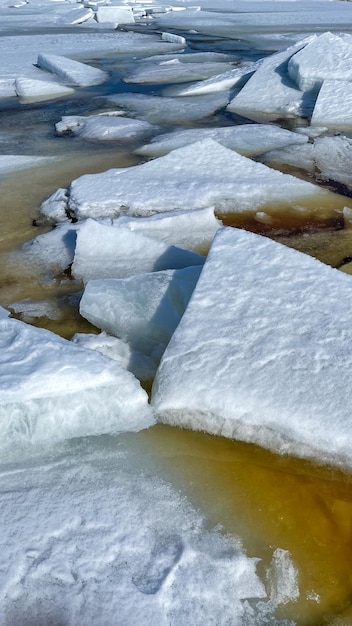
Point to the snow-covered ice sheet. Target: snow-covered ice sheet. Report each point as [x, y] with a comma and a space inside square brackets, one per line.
[116, 14]
[107, 127]
[143, 310]
[31, 89]
[196, 176]
[333, 107]
[54, 249]
[164, 110]
[327, 57]
[103, 251]
[93, 535]
[282, 98]
[247, 139]
[52, 390]
[70, 71]
[263, 351]
[219, 82]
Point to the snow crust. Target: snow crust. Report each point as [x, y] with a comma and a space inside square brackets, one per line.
[262, 351]
[41, 375]
[103, 251]
[196, 176]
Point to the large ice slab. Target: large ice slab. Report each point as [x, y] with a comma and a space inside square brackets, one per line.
[247, 139]
[327, 57]
[270, 92]
[104, 127]
[196, 176]
[164, 110]
[262, 351]
[116, 14]
[52, 390]
[31, 89]
[103, 251]
[333, 107]
[193, 230]
[142, 310]
[70, 71]
[174, 71]
[225, 80]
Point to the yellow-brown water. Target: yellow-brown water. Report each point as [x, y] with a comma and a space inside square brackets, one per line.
[269, 501]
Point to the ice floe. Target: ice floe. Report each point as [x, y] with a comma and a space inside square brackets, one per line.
[333, 107]
[70, 71]
[42, 374]
[174, 71]
[262, 351]
[196, 176]
[103, 251]
[247, 139]
[12, 162]
[103, 127]
[116, 14]
[219, 82]
[31, 89]
[164, 110]
[327, 57]
[55, 249]
[142, 310]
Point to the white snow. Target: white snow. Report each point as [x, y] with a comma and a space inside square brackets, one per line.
[70, 71]
[41, 375]
[142, 310]
[247, 139]
[54, 249]
[327, 57]
[55, 206]
[262, 351]
[196, 176]
[106, 127]
[333, 107]
[103, 251]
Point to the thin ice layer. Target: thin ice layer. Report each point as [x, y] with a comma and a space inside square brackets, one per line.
[95, 534]
[196, 176]
[143, 310]
[262, 353]
[103, 251]
[52, 390]
[174, 71]
[247, 139]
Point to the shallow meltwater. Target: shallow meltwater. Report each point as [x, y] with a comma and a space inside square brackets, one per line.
[269, 501]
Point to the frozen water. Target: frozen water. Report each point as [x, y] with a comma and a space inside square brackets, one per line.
[196, 176]
[333, 107]
[282, 99]
[143, 310]
[247, 139]
[107, 127]
[262, 351]
[219, 82]
[13, 162]
[41, 375]
[70, 71]
[116, 14]
[192, 230]
[174, 71]
[103, 251]
[164, 110]
[55, 206]
[328, 56]
[56, 248]
[141, 365]
[31, 89]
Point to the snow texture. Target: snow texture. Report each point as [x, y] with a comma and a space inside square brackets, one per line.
[262, 351]
[333, 107]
